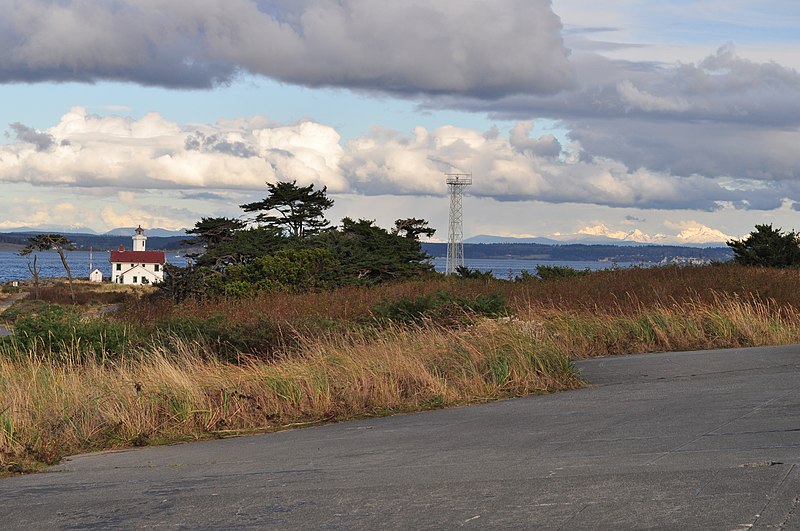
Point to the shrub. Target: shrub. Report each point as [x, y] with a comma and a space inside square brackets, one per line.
[60, 334]
[440, 308]
[286, 270]
[473, 274]
[547, 272]
[259, 337]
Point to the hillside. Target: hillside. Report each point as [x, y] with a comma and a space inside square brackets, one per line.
[99, 242]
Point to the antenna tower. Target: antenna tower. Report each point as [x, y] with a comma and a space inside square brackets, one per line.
[455, 237]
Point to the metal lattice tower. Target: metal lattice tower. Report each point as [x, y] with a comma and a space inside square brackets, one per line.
[455, 236]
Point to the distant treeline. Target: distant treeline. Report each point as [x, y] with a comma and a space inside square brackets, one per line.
[582, 252]
[101, 242]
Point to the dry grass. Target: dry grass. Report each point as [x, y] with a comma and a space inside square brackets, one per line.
[608, 291]
[725, 321]
[49, 410]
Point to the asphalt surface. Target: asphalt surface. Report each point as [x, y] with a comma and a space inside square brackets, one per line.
[5, 304]
[701, 440]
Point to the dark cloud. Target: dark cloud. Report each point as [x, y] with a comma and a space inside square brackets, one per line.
[216, 144]
[722, 88]
[544, 146]
[204, 196]
[689, 148]
[42, 141]
[406, 48]
[724, 116]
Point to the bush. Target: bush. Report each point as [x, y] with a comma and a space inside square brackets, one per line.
[473, 274]
[286, 270]
[546, 272]
[227, 339]
[61, 334]
[441, 308]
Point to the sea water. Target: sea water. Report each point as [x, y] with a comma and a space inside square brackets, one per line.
[15, 267]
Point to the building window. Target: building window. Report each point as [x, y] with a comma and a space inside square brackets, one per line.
[135, 279]
[156, 267]
[119, 267]
[145, 280]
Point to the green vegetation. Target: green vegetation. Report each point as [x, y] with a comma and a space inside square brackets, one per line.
[441, 308]
[546, 272]
[767, 247]
[292, 248]
[295, 211]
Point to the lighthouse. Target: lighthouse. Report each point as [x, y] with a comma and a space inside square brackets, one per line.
[139, 239]
[139, 266]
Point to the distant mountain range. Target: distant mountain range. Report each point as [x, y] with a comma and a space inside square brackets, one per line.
[99, 242]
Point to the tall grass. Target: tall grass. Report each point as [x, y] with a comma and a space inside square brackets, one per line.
[722, 321]
[50, 410]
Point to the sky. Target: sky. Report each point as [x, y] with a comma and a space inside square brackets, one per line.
[666, 121]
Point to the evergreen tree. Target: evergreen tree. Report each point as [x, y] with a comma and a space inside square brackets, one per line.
[212, 231]
[367, 252]
[767, 247]
[413, 228]
[227, 242]
[298, 211]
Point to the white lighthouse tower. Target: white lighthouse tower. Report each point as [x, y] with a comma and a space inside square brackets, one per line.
[139, 240]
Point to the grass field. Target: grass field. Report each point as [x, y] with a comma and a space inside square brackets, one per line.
[76, 379]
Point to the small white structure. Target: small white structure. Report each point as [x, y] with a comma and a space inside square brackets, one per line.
[96, 276]
[139, 266]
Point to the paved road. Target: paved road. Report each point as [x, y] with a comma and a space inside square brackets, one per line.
[703, 440]
[5, 304]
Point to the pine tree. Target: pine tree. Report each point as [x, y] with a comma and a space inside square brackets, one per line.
[767, 247]
[298, 211]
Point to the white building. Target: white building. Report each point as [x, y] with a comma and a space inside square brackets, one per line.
[96, 276]
[139, 266]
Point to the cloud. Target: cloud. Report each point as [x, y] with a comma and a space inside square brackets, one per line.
[42, 141]
[152, 153]
[124, 154]
[545, 146]
[723, 116]
[33, 212]
[204, 196]
[409, 47]
[119, 216]
[385, 162]
[200, 142]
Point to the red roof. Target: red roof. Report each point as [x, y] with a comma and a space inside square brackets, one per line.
[139, 257]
